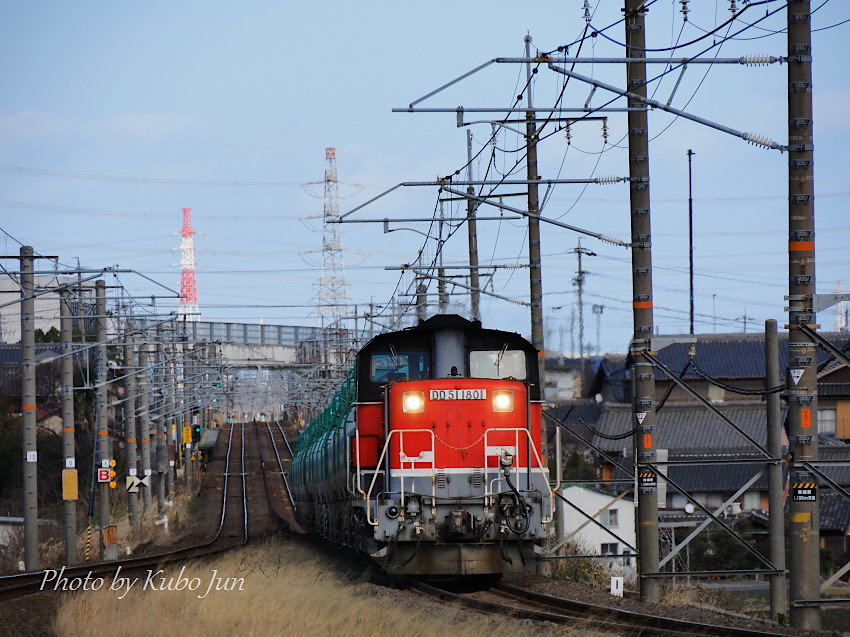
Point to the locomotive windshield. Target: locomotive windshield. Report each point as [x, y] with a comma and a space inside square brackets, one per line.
[497, 364]
[405, 365]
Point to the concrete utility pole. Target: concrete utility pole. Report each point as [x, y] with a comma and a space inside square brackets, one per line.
[804, 527]
[130, 368]
[776, 523]
[691, 241]
[421, 301]
[28, 409]
[535, 270]
[161, 452]
[579, 282]
[69, 473]
[110, 549]
[472, 227]
[173, 419]
[188, 371]
[643, 376]
[145, 426]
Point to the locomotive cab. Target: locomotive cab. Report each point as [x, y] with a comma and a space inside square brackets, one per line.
[446, 449]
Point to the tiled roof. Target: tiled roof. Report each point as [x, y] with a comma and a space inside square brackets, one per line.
[735, 355]
[688, 429]
[834, 511]
[11, 354]
[717, 477]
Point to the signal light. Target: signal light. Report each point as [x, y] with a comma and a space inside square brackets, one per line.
[413, 402]
[112, 484]
[503, 400]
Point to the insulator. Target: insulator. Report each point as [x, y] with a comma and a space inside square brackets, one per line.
[569, 134]
[757, 60]
[586, 11]
[758, 140]
[612, 240]
[607, 180]
[604, 131]
[733, 7]
[685, 10]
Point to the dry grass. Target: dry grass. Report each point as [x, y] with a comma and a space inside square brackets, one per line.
[286, 590]
[688, 595]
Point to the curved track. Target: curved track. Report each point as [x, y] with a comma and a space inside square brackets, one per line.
[232, 531]
[505, 599]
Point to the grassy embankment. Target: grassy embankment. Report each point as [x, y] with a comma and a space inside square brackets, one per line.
[286, 589]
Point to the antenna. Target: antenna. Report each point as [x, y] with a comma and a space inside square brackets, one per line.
[188, 289]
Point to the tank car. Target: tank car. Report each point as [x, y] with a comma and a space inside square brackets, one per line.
[429, 458]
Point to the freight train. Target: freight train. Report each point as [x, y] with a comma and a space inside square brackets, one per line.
[429, 458]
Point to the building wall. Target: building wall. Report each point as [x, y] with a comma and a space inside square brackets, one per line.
[591, 537]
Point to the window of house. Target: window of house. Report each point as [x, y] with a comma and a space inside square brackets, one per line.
[752, 500]
[613, 519]
[610, 549]
[826, 421]
[716, 394]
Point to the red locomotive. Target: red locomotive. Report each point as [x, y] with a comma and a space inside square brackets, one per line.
[429, 458]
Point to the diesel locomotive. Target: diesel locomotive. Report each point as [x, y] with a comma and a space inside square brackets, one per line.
[429, 458]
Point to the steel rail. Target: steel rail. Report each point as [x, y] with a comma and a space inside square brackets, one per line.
[280, 467]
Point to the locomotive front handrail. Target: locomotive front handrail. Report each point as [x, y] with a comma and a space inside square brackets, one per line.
[540, 466]
[384, 455]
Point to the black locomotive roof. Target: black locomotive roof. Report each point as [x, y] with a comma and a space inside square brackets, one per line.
[421, 337]
[476, 335]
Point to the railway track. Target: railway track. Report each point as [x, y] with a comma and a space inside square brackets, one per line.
[513, 601]
[232, 531]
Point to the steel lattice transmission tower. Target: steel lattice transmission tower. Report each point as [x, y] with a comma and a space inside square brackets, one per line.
[333, 291]
[188, 290]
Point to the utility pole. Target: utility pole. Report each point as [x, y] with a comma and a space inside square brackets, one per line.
[110, 549]
[535, 271]
[472, 227]
[69, 473]
[643, 377]
[597, 310]
[160, 421]
[28, 409]
[145, 426]
[579, 282]
[804, 522]
[776, 523]
[421, 301]
[442, 295]
[188, 370]
[130, 368]
[691, 240]
[173, 419]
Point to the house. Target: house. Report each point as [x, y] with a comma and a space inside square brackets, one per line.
[607, 526]
[737, 360]
[690, 433]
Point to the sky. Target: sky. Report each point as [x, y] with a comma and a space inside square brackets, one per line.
[115, 116]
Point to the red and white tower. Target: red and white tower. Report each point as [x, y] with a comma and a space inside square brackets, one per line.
[188, 290]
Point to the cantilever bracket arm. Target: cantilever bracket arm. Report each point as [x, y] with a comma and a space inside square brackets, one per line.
[525, 213]
[753, 139]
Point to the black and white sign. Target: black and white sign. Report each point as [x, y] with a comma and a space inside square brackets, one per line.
[458, 394]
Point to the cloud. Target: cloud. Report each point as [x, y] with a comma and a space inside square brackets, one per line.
[150, 126]
[28, 124]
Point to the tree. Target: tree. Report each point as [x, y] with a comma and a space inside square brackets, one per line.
[50, 336]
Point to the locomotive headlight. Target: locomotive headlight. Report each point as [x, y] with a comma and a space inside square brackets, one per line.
[413, 402]
[503, 400]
